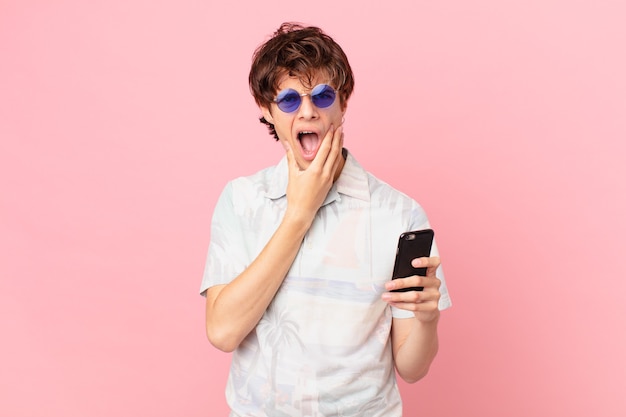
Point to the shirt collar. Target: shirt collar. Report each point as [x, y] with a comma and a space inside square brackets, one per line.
[352, 181]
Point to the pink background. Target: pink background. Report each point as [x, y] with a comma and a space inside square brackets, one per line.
[121, 121]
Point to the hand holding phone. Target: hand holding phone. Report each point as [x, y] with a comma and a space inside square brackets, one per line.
[411, 245]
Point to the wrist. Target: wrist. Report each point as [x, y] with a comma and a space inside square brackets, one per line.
[298, 219]
[430, 318]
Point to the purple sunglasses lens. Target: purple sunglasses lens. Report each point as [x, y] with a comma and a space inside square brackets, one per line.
[322, 96]
[288, 100]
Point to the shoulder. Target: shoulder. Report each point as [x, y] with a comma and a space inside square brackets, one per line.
[397, 204]
[384, 193]
[246, 188]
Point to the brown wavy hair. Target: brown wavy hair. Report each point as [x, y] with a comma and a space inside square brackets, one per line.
[302, 52]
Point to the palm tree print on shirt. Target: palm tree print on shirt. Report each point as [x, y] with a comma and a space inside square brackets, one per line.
[275, 330]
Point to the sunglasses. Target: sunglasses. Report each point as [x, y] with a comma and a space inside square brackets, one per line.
[322, 96]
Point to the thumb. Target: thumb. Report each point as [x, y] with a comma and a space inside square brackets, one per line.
[291, 160]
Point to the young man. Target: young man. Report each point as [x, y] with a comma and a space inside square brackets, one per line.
[297, 280]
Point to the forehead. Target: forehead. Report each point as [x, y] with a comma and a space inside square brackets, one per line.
[302, 82]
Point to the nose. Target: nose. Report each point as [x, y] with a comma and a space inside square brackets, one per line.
[307, 109]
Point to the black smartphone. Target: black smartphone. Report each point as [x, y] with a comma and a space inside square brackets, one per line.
[411, 245]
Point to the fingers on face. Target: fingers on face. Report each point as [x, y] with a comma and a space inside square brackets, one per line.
[291, 159]
[339, 156]
[334, 157]
[328, 154]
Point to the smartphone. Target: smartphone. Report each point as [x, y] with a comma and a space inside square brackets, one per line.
[411, 245]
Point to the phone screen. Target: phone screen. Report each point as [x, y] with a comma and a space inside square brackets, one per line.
[411, 245]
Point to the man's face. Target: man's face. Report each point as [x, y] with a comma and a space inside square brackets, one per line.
[304, 128]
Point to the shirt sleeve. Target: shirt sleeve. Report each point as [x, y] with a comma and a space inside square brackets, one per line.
[227, 255]
[419, 221]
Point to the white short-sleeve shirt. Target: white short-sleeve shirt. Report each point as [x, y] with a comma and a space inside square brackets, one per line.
[323, 346]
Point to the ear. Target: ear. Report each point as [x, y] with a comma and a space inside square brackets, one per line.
[267, 114]
[344, 106]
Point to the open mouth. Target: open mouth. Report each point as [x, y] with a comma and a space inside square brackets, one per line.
[309, 142]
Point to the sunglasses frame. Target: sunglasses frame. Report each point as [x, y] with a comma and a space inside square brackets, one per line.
[279, 100]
